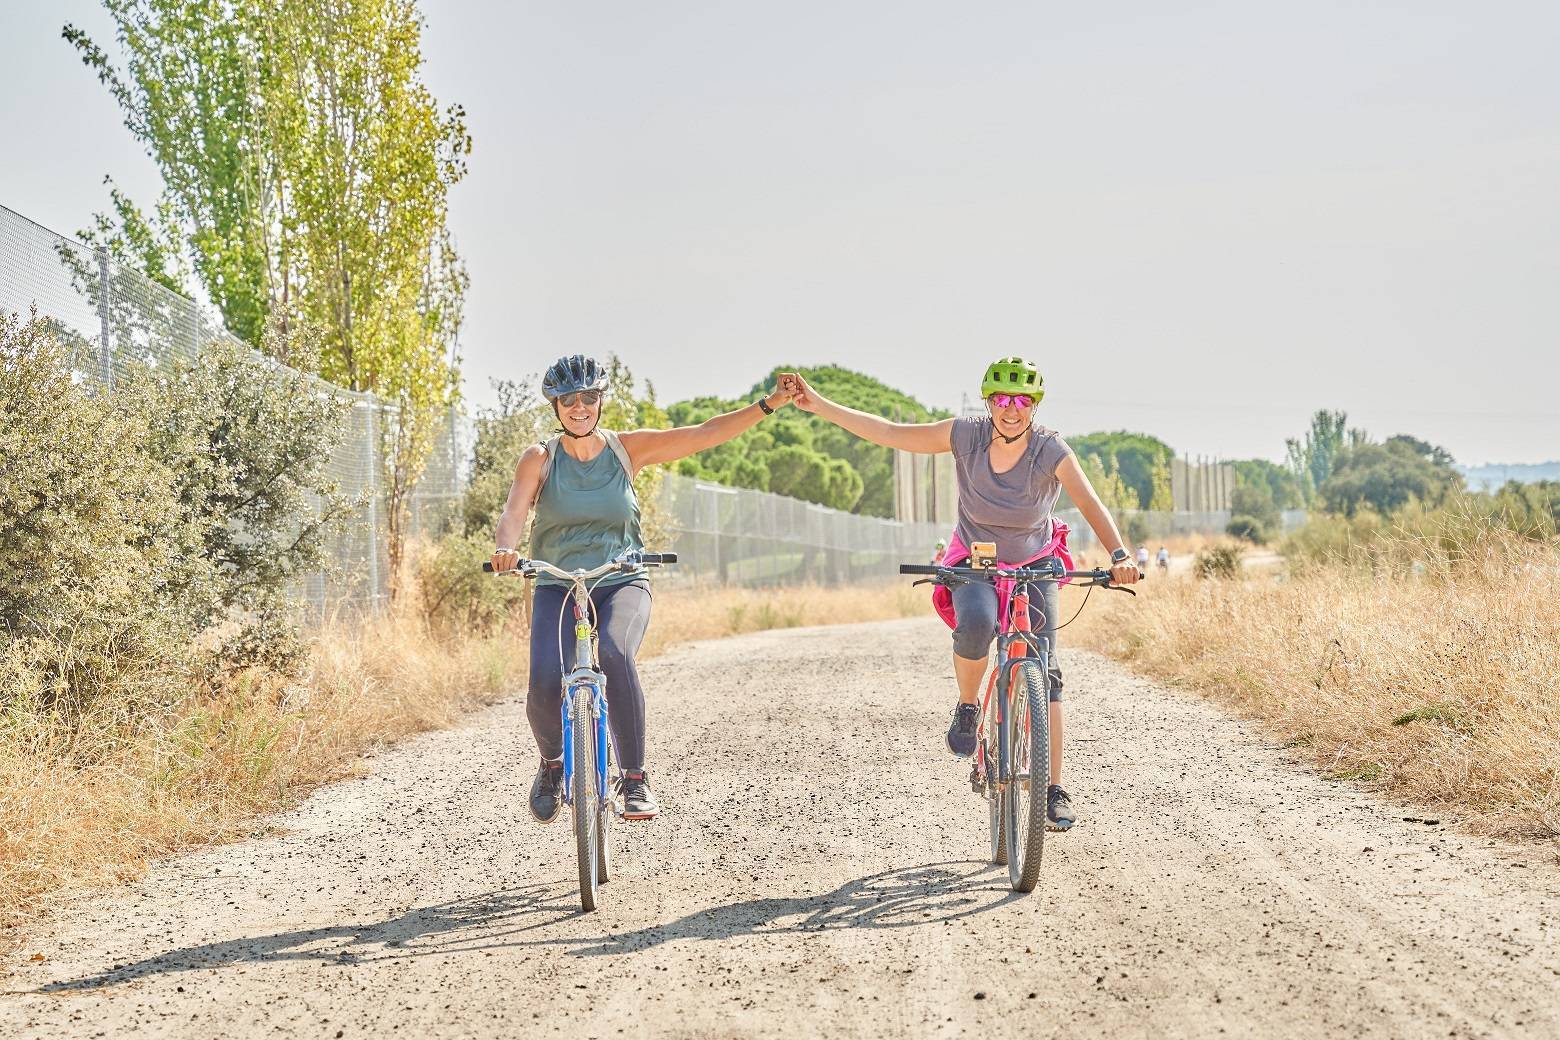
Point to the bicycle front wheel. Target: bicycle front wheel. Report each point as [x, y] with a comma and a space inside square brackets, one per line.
[604, 822]
[587, 799]
[1029, 759]
[993, 793]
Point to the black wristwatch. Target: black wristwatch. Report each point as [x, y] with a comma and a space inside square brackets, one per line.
[1120, 556]
[764, 404]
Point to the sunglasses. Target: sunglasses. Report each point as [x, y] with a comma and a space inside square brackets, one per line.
[1003, 400]
[584, 397]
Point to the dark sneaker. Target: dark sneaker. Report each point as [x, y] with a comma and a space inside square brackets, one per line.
[547, 791]
[638, 802]
[961, 731]
[1058, 809]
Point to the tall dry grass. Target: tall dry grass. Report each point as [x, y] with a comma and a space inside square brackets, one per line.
[92, 803]
[1432, 670]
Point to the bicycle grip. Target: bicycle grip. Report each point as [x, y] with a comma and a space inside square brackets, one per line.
[918, 568]
[658, 558]
[487, 566]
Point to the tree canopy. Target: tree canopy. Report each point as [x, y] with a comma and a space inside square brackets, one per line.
[306, 171]
[797, 454]
[1385, 477]
[1141, 460]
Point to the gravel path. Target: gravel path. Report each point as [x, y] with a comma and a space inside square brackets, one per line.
[817, 872]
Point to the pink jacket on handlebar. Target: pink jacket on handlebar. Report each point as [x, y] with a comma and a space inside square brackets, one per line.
[957, 552]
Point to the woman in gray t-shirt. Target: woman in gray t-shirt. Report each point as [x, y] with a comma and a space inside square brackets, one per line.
[1010, 471]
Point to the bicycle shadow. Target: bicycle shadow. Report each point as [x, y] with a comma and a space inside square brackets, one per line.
[521, 917]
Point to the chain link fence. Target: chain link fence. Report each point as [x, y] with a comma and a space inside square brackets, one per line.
[115, 318]
[736, 536]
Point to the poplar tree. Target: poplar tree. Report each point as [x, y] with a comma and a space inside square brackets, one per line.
[306, 170]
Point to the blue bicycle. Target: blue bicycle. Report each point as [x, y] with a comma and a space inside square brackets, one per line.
[590, 784]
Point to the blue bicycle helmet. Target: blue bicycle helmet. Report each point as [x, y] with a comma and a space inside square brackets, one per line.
[570, 375]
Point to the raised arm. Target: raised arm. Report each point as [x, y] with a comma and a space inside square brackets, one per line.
[1076, 483]
[921, 438]
[648, 447]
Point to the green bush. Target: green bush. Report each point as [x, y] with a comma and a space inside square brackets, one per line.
[1249, 529]
[155, 529]
[1217, 561]
[91, 535]
[248, 444]
[455, 594]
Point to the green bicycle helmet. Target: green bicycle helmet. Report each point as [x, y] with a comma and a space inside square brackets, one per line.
[1013, 375]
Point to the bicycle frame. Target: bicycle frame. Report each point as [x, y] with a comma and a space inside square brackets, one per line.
[584, 680]
[1015, 640]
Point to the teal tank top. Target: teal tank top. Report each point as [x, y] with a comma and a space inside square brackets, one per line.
[587, 513]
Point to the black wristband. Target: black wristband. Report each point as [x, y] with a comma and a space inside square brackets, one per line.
[762, 403]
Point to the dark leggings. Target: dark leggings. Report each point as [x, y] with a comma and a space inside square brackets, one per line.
[622, 614]
[975, 607]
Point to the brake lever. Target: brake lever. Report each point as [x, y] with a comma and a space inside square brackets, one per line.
[923, 581]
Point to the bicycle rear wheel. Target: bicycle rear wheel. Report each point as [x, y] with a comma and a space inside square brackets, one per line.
[587, 800]
[1029, 755]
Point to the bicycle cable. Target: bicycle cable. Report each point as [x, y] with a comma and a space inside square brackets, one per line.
[1085, 603]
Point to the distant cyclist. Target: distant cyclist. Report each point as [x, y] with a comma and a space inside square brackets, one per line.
[580, 486]
[941, 550]
[1010, 473]
[1164, 560]
[1142, 559]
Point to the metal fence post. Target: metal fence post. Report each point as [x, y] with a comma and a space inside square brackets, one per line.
[105, 345]
[371, 483]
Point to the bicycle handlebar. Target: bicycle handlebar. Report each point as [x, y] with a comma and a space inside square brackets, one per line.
[1053, 573]
[625, 563]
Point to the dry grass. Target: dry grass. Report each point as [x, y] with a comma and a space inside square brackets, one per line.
[91, 805]
[1436, 682]
[685, 615]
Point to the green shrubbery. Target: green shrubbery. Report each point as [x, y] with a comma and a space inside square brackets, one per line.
[152, 531]
[1416, 537]
[1217, 561]
[801, 455]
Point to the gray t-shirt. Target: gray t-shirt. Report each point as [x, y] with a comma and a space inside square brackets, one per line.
[1013, 508]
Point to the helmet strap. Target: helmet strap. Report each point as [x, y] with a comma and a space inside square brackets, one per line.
[1016, 437]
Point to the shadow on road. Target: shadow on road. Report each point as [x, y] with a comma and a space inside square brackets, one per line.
[524, 917]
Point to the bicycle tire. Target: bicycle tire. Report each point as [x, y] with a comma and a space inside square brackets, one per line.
[999, 831]
[586, 798]
[1030, 749]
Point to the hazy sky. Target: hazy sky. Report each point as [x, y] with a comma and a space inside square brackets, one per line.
[1202, 223]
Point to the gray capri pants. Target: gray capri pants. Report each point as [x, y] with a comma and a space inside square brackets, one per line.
[975, 606]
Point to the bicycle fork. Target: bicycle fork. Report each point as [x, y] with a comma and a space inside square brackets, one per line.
[1015, 647]
[584, 681]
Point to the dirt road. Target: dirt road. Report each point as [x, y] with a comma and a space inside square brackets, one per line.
[818, 872]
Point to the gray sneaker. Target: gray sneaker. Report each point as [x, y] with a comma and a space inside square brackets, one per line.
[1058, 809]
[638, 802]
[547, 791]
[961, 731]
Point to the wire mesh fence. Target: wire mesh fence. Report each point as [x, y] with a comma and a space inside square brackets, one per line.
[115, 319]
[736, 536]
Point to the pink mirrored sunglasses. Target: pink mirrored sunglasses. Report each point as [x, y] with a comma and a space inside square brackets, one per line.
[1003, 400]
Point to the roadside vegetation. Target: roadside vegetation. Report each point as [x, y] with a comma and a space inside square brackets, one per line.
[1407, 642]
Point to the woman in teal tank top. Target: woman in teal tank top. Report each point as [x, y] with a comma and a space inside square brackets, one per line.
[579, 486]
